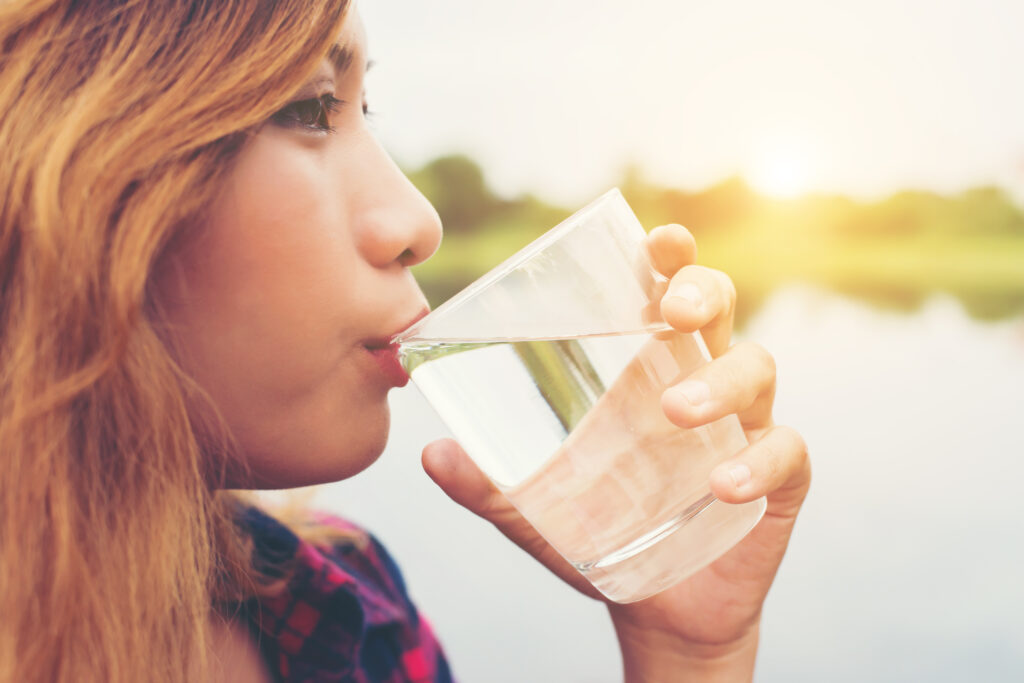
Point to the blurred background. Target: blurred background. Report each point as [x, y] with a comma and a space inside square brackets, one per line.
[857, 168]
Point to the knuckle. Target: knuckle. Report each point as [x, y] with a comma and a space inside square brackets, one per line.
[767, 360]
[736, 377]
[723, 372]
[794, 440]
[726, 289]
[760, 356]
[742, 375]
[745, 347]
[730, 292]
[801, 462]
[771, 460]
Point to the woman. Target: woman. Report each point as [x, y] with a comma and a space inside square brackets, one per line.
[201, 248]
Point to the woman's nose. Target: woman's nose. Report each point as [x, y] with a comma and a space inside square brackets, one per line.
[396, 223]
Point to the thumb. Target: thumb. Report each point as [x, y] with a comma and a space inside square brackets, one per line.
[458, 476]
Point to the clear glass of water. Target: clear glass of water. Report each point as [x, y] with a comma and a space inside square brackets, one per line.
[549, 371]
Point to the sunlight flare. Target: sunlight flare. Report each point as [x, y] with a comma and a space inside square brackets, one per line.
[781, 167]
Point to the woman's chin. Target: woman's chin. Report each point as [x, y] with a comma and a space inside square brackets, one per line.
[307, 462]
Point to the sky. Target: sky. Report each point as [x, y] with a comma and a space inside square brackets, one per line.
[557, 97]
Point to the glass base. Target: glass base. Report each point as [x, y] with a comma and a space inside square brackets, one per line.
[673, 551]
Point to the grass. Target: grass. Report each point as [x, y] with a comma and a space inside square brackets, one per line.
[985, 272]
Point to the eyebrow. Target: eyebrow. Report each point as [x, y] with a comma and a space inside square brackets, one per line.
[340, 58]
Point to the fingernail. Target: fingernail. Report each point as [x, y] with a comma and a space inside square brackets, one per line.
[740, 474]
[694, 391]
[690, 293]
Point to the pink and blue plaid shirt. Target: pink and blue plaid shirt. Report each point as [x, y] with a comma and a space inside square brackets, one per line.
[345, 614]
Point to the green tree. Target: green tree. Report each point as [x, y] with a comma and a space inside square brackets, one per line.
[456, 186]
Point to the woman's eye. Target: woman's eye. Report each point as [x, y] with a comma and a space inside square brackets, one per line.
[313, 114]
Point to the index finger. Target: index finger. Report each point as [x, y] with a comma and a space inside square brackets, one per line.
[671, 247]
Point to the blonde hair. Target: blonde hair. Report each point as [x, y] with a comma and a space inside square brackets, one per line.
[118, 121]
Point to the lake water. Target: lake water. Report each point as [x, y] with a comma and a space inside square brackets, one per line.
[908, 560]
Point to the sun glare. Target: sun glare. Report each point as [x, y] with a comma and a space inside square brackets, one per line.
[780, 168]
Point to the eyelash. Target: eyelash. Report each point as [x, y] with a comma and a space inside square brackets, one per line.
[313, 113]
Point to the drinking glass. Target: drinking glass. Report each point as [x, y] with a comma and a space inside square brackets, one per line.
[549, 371]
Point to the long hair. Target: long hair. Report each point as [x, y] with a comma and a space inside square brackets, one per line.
[118, 122]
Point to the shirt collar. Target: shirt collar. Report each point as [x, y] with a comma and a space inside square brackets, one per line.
[321, 617]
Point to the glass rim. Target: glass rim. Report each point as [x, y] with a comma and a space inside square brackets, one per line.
[509, 264]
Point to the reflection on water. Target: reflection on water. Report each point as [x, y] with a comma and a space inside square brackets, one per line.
[906, 563]
[904, 566]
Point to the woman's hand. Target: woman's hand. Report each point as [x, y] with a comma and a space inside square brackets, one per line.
[707, 625]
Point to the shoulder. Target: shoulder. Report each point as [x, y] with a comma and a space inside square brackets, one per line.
[363, 556]
[346, 608]
[330, 559]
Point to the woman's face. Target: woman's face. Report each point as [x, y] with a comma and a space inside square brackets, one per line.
[281, 303]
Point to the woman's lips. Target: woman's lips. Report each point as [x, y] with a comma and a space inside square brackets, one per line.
[385, 354]
[387, 360]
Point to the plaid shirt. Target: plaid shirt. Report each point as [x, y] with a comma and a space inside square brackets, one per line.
[345, 614]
